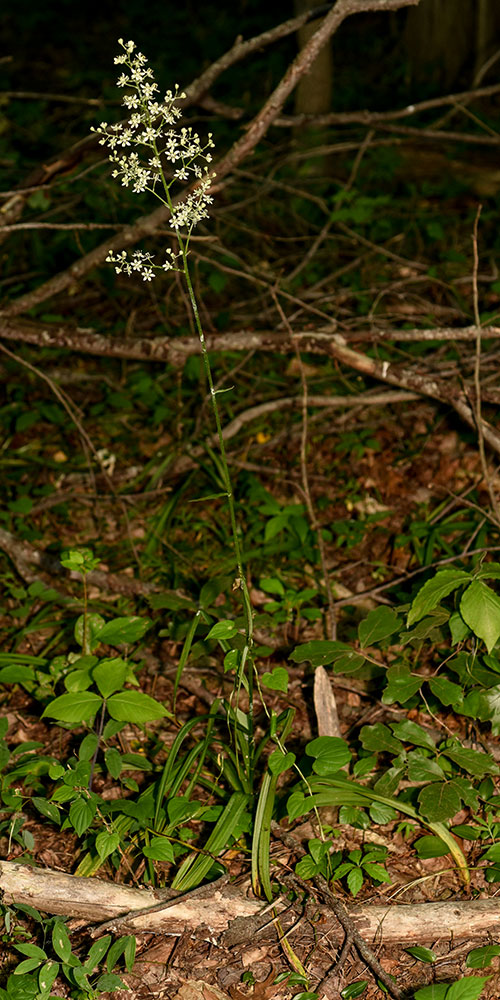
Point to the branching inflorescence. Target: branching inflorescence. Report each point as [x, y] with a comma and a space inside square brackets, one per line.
[153, 126]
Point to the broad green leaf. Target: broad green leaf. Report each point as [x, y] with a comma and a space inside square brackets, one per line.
[331, 753]
[75, 707]
[447, 692]
[271, 585]
[433, 592]
[355, 881]
[380, 739]
[133, 706]
[113, 761]
[472, 761]
[376, 871]
[437, 991]
[16, 673]
[401, 684]
[88, 746]
[348, 663]
[481, 958]
[277, 680]
[422, 768]
[123, 631]
[159, 849]
[439, 802]
[280, 762]
[31, 951]
[47, 975]
[81, 814]
[430, 847]
[319, 652]
[47, 809]
[129, 952]
[467, 989]
[28, 965]
[381, 813]
[106, 843]
[411, 732]
[110, 674]
[307, 867]
[423, 954]
[459, 630]
[492, 854]
[488, 571]
[378, 624]
[108, 983]
[97, 953]
[93, 625]
[223, 630]
[60, 941]
[480, 608]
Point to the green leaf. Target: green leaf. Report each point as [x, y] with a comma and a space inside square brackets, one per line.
[480, 608]
[133, 706]
[60, 941]
[47, 975]
[376, 871]
[447, 692]
[411, 732]
[81, 814]
[280, 762]
[422, 768]
[16, 673]
[113, 762]
[381, 813]
[401, 684]
[378, 624]
[277, 680]
[433, 592]
[31, 951]
[439, 802]
[97, 953]
[319, 652]
[160, 849]
[331, 753]
[438, 991]
[480, 958]
[271, 585]
[430, 847]
[106, 843]
[109, 982]
[88, 746]
[129, 952]
[354, 990]
[93, 624]
[355, 881]
[47, 809]
[74, 707]
[123, 631]
[423, 954]
[472, 761]
[380, 739]
[223, 630]
[28, 965]
[467, 989]
[110, 674]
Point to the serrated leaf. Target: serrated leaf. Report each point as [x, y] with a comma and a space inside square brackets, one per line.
[437, 991]
[467, 989]
[355, 881]
[447, 692]
[378, 624]
[75, 707]
[480, 609]
[411, 732]
[401, 684]
[433, 592]
[277, 680]
[134, 706]
[422, 768]
[380, 739]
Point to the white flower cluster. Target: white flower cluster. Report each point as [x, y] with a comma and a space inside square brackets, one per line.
[141, 262]
[150, 126]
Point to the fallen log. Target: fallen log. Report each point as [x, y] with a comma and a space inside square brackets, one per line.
[223, 909]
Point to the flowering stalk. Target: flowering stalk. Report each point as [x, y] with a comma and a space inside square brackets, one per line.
[152, 126]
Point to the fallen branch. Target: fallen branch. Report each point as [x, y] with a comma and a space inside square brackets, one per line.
[215, 909]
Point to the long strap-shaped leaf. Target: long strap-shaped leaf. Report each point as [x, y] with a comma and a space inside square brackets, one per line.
[342, 792]
[196, 867]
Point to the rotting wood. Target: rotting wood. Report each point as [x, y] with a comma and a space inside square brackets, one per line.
[93, 899]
